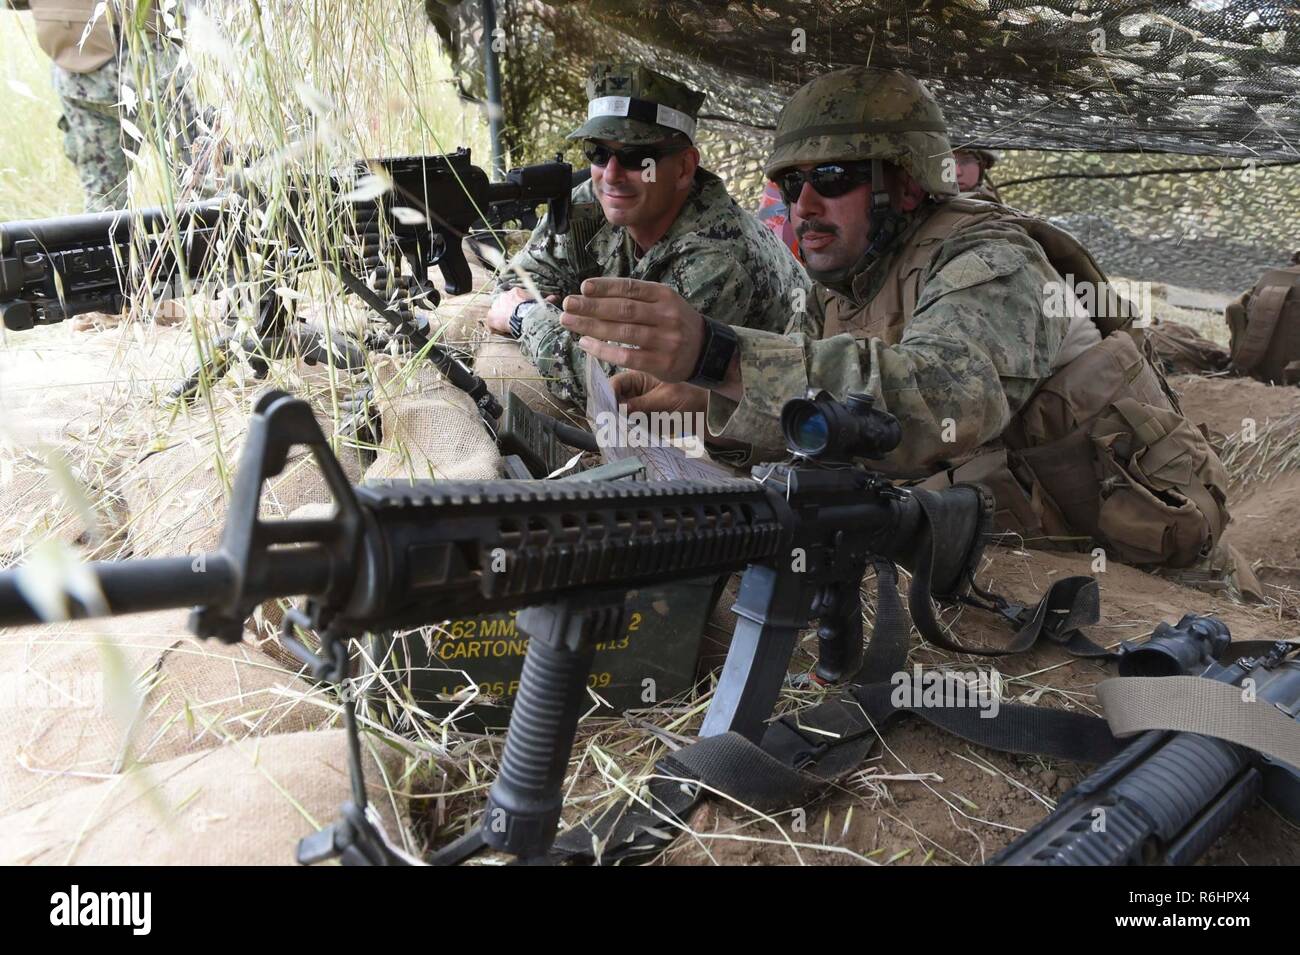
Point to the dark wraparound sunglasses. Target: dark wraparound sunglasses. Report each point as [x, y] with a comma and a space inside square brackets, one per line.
[629, 157]
[830, 179]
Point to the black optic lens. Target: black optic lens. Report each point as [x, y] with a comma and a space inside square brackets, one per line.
[809, 430]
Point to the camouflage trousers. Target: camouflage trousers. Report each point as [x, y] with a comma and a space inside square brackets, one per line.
[148, 89]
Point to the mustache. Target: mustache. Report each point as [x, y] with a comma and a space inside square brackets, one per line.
[816, 225]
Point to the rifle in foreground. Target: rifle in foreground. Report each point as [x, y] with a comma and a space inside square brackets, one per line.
[1168, 796]
[53, 269]
[400, 555]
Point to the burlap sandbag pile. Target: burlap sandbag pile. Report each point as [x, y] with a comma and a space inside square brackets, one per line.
[431, 429]
[176, 496]
[499, 362]
[243, 804]
[72, 420]
[37, 504]
[83, 702]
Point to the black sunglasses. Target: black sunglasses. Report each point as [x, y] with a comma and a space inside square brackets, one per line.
[829, 179]
[629, 157]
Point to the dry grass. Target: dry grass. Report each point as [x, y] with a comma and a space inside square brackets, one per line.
[35, 179]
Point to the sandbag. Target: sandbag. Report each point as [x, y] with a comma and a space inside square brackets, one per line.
[500, 363]
[430, 429]
[73, 693]
[34, 507]
[176, 496]
[247, 803]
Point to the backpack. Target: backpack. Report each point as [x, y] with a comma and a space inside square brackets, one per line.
[1264, 328]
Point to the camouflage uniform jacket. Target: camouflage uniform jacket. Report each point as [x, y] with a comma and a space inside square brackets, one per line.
[978, 343]
[717, 256]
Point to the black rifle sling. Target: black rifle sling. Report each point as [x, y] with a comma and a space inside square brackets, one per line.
[1070, 603]
[804, 753]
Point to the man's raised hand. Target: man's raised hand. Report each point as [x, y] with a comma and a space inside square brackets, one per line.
[611, 314]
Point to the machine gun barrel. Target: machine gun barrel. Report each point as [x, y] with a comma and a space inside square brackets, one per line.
[114, 226]
[140, 586]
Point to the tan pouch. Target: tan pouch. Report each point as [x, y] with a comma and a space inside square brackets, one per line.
[1163, 498]
[59, 27]
[1083, 389]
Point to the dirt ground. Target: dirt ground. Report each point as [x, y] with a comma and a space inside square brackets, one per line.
[964, 803]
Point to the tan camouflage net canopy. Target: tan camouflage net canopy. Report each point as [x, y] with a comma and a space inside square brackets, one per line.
[1214, 79]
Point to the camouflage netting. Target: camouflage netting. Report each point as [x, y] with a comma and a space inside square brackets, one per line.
[1215, 230]
[1210, 79]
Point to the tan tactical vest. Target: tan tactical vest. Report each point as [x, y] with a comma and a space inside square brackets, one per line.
[60, 24]
[1101, 452]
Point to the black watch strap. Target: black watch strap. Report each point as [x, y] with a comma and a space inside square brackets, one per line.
[720, 346]
[517, 318]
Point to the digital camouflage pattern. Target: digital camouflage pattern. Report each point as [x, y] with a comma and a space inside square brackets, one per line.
[864, 113]
[979, 343]
[93, 135]
[717, 256]
[635, 80]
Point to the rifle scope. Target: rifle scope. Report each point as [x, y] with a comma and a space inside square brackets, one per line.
[819, 426]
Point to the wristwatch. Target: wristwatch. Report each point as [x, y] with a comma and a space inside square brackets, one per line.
[517, 317]
[720, 346]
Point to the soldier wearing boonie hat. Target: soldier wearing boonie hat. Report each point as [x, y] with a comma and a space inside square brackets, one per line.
[649, 212]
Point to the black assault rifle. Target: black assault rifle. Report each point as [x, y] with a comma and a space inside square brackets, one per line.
[53, 269]
[400, 555]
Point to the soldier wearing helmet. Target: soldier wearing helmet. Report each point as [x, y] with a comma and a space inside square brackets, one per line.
[960, 317]
[648, 212]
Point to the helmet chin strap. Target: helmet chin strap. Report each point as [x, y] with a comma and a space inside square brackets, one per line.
[886, 224]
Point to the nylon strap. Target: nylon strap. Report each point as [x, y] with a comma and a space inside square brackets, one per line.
[1070, 603]
[803, 753]
[1191, 704]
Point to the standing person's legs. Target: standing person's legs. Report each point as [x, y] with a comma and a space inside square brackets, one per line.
[92, 133]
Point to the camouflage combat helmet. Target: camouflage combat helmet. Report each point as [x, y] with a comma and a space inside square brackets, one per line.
[864, 113]
[632, 104]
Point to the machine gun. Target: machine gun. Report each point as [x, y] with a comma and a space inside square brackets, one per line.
[399, 555]
[53, 269]
[1168, 796]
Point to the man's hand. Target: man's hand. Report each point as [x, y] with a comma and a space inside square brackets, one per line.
[503, 306]
[646, 393]
[667, 332]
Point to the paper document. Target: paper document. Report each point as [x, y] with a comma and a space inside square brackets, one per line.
[665, 458]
